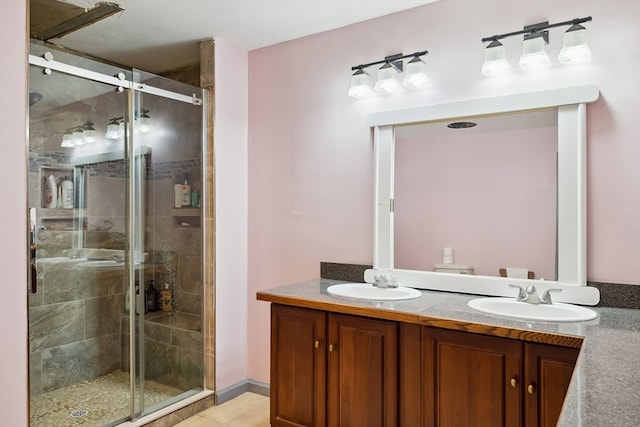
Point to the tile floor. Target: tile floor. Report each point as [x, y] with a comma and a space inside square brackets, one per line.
[101, 401]
[246, 410]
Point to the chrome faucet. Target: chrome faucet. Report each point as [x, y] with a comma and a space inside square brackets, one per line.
[530, 295]
[382, 281]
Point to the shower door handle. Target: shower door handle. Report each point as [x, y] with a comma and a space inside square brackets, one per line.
[32, 251]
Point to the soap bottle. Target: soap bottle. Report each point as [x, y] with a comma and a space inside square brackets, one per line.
[49, 192]
[177, 196]
[186, 193]
[195, 198]
[166, 298]
[67, 193]
[151, 297]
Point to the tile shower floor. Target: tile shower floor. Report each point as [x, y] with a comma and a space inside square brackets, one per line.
[105, 400]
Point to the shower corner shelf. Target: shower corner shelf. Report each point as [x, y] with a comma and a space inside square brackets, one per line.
[186, 218]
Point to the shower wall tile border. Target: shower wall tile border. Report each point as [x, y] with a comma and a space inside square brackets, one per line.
[618, 295]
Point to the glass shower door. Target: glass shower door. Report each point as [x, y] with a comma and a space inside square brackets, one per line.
[115, 296]
[78, 191]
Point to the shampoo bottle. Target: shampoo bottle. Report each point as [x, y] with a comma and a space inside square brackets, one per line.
[67, 193]
[195, 198]
[166, 298]
[186, 193]
[49, 192]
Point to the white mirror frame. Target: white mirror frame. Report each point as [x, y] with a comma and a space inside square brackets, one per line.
[571, 250]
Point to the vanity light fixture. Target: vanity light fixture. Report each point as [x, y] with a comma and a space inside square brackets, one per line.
[388, 77]
[536, 36]
[67, 140]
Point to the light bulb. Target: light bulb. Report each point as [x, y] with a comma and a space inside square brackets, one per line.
[533, 54]
[360, 84]
[575, 48]
[416, 74]
[495, 60]
[387, 79]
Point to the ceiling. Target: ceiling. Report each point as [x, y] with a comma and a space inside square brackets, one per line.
[156, 35]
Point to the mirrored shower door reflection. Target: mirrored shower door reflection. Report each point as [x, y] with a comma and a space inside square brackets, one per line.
[101, 187]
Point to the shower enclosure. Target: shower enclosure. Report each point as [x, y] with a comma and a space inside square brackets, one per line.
[116, 283]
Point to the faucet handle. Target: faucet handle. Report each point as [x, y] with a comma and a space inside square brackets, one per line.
[546, 297]
[522, 294]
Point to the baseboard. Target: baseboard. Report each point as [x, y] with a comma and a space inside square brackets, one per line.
[242, 387]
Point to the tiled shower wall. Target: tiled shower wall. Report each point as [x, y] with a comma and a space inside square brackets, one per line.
[76, 317]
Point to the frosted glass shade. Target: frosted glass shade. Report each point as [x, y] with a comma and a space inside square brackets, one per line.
[89, 135]
[495, 59]
[533, 54]
[387, 80]
[144, 124]
[77, 137]
[415, 76]
[574, 48]
[67, 140]
[360, 84]
[113, 131]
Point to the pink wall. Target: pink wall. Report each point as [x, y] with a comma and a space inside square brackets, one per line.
[13, 225]
[230, 141]
[310, 151]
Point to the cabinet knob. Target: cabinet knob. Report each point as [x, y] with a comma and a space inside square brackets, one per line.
[332, 347]
[531, 389]
[317, 343]
[514, 382]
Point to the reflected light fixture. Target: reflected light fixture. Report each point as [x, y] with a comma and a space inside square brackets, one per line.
[89, 133]
[388, 76]
[534, 56]
[67, 140]
[77, 136]
[115, 128]
[144, 122]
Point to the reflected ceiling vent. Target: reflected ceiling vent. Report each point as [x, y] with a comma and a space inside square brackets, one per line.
[461, 125]
[54, 19]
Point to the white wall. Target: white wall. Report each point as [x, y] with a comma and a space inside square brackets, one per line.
[230, 142]
[310, 151]
[13, 224]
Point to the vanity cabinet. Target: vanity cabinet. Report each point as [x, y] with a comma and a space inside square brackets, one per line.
[478, 380]
[332, 369]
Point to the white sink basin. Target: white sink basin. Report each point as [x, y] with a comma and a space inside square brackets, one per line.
[366, 291]
[510, 307]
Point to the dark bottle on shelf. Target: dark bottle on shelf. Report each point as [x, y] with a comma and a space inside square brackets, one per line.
[151, 297]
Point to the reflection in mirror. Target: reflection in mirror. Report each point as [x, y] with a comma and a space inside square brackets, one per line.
[487, 191]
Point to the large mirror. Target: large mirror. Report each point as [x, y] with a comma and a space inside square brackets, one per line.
[477, 196]
[508, 193]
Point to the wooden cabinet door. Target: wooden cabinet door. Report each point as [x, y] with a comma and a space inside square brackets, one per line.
[548, 371]
[471, 380]
[298, 367]
[363, 372]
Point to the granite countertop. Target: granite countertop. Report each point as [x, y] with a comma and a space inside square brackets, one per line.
[605, 387]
